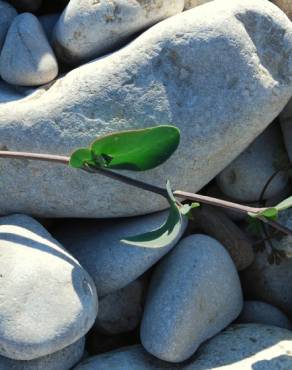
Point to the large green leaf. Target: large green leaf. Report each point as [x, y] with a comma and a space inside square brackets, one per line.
[137, 150]
[168, 233]
[80, 157]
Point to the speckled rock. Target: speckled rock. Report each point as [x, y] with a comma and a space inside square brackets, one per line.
[112, 264]
[215, 223]
[246, 347]
[129, 358]
[61, 360]
[285, 5]
[245, 178]
[27, 58]
[50, 300]
[194, 293]
[263, 313]
[122, 310]
[87, 28]
[193, 3]
[7, 14]
[269, 283]
[152, 80]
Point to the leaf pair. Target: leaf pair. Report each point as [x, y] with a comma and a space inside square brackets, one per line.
[136, 150]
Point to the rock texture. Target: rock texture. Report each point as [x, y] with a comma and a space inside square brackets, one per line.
[263, 313]
[7, 14]
[112, 264]
[245, 178]
[285, 5]
[193, 3]
[27, 58]
[88, 28]
[49, 300]
[246, 347]
[61, 360]
[215, 223]
[129, 358]
[122, 310]
[153, 80]
[194, 293]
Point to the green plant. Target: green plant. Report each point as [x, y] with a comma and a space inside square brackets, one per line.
[142, 150]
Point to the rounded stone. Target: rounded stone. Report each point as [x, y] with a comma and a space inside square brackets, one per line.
[88, 28]
[27, 59]
[50, 300]
[245, 178]
[215, 223]
[112, 264]
[269, 283]
[263, 313]
[194, 293]
[61, 360]
[128, 358]
[193, 3]
[246, 347]
[153, 79]
[122, 310]
[7, 14]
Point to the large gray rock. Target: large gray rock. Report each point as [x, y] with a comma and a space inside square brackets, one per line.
[270, 283]
[246, 347]
[27, 58]
[98, 247]
[245, 178]
[88, 28]
[122, 310]
[194, 293]
[7, 14]
[129, 358]
[61, 360]
[193, 3]
[210, 85]
[263, 313]
[49, 300]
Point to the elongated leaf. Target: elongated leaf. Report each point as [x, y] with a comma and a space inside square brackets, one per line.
[80, 157]
[168, 233]
[137, 150]
[285, 204]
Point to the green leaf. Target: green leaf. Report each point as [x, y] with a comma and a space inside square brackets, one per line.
[270, 213]
[168, 233]
[285, 204]
[80, 157]
[137, 150]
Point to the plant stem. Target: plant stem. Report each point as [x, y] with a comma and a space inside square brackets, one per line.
[148, 187]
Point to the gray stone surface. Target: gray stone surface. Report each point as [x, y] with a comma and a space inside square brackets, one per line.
[194, 293]
[27, 58]
[193, 3]
[61, 360]
[88, 28]
[269, 283]
[263, 313]
[48, 23]
[246, 347]
[7, 14]
[245, 178]
[26, 5]
[112, 264]
[215, 223]
[49, 300]
[128, 358]
[151, 81]
[122, 310]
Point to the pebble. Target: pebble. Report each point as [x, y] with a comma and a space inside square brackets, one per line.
[7, 14]
[194, 293]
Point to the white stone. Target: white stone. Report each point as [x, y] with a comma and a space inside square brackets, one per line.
[27, 58]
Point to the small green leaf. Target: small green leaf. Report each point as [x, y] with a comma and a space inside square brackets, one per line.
[80, 157]
[168, 233]
[137, 150]
[270, 213]
[285, 204]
